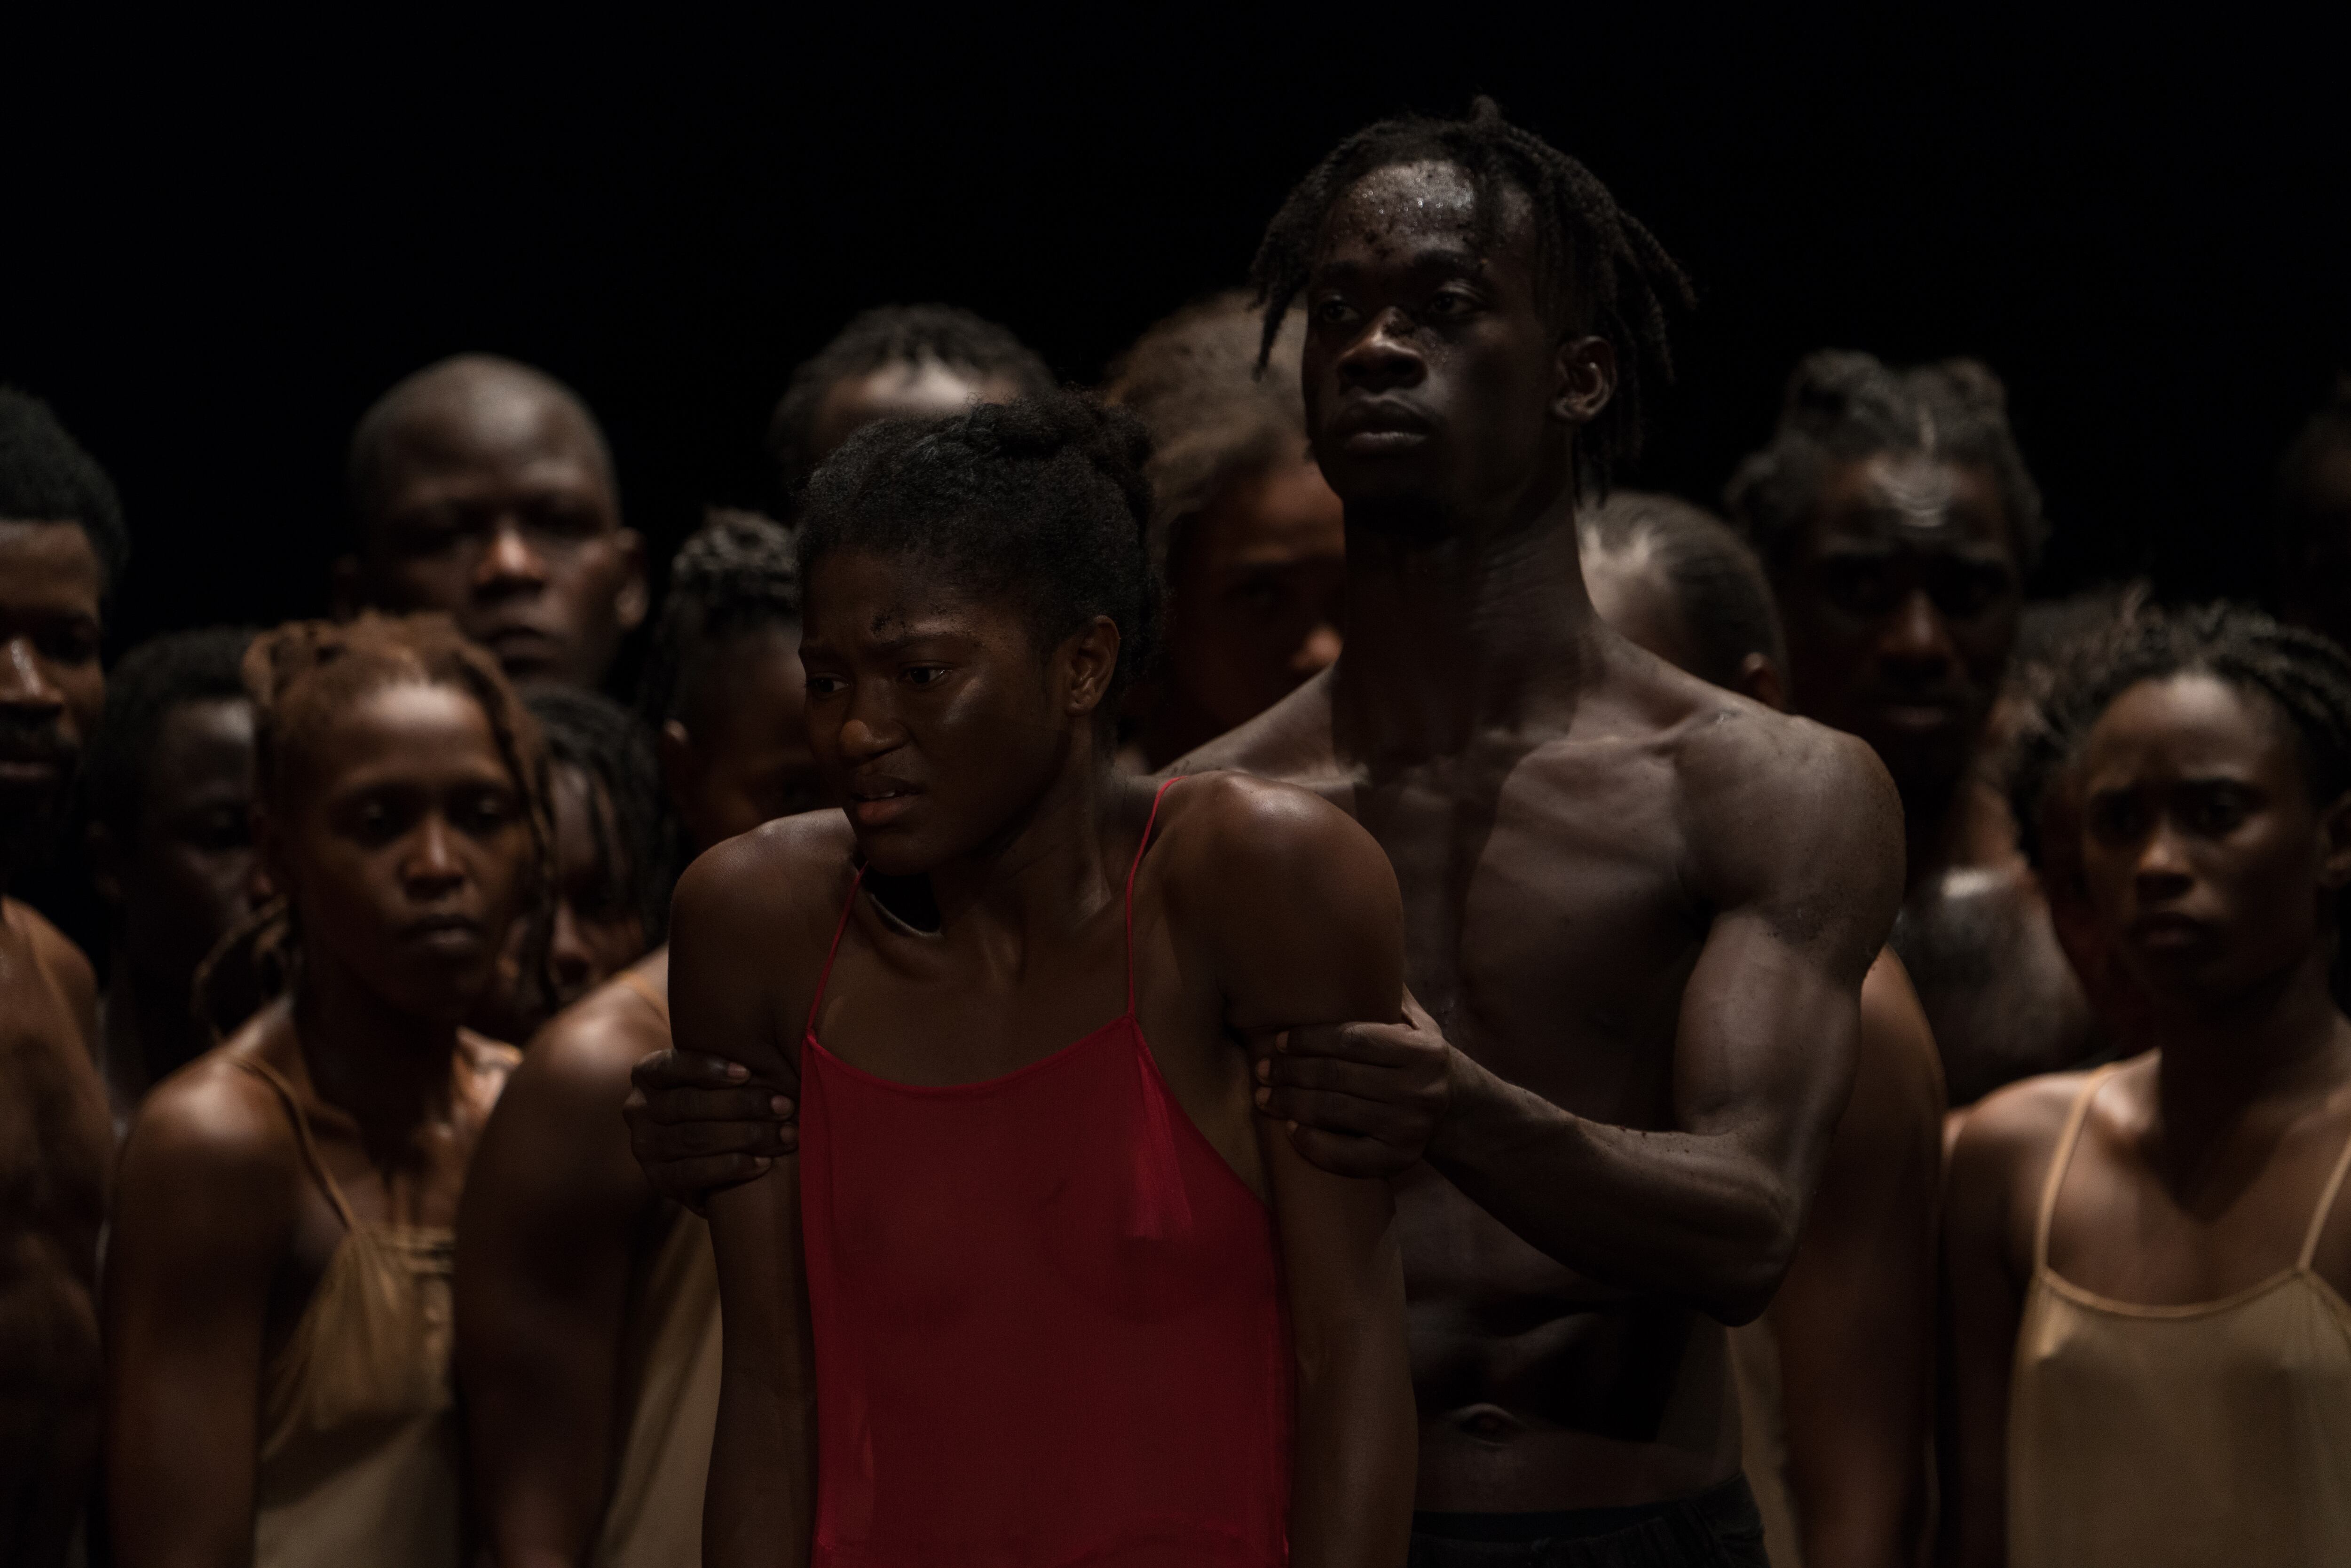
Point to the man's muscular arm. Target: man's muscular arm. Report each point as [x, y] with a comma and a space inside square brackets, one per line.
[1792, 835]
[734, 922]
[553, 1204]
[1314, 929]
[202, 1221]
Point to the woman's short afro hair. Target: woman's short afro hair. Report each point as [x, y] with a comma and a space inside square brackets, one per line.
[1043, 501]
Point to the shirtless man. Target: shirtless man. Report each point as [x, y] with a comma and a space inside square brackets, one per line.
[62, 546]
[587, 1332]
[1637, 911]
[896, 361]
[1898, 521]
[1834, 1378]
[483, 489]
[170, 843]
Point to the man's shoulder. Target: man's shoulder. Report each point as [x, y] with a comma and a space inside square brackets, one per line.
[1290, 740]
[65, 964]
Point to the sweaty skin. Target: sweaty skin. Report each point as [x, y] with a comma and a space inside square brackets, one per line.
[2211, 873]
[988, 782]
[559, 1225]
[55, 1146]
[1850, 1336]
[484, 491]
[1901, 599]
[402, 844]
[1637, 910]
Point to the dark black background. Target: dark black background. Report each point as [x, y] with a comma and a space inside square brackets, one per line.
[224, 240]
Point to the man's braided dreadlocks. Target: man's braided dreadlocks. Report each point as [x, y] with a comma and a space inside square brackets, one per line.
[1597, 268]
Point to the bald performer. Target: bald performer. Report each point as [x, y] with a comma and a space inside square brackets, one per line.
[484, 488]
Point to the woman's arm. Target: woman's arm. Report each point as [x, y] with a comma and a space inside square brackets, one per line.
[202, 1216]
[1855, 1318]
[726, 931]
[553, 1206]
[1307, 926]
[1989, 1204]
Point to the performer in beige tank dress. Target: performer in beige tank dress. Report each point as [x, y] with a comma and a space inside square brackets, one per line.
[588, 1336]
[2151, 1356]
[279, 1313]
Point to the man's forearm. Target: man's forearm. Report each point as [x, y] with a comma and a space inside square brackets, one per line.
[1688, 1217]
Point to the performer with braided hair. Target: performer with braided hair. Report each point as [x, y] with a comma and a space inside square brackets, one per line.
[588, 1330]
[2149, 1263]
[278, 1307]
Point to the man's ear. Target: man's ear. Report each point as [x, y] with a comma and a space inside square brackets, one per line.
[2335, 845]
[1583, 379]
[629, 604]
[1759, 678]
[1087, 660]
[346, 591]
[105, 862]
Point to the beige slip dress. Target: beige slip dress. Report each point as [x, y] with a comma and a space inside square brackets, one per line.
[654, 1518]
[358, 1446]
[2157, 1436]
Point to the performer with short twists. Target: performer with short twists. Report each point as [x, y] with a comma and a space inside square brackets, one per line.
[2149, 1263]
[1039, 1286]
[278, 1302]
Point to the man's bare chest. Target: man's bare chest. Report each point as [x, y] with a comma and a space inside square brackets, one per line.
[55, 1138]
[1547, 927]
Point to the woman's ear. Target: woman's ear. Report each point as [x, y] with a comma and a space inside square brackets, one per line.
[2335, 845]
[1089, 659]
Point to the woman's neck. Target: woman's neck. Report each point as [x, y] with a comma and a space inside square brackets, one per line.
[2280, 1041]
[389, 1070]
[1047, 871]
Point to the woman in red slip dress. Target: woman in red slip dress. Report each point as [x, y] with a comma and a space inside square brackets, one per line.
[1039, 1287]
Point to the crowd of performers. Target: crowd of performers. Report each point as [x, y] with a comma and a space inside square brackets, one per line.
[1255, 964]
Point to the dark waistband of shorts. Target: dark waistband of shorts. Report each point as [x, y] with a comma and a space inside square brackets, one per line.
[1727, 1503]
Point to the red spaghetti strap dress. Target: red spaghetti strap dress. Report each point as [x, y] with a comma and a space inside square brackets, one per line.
[1048, 1317]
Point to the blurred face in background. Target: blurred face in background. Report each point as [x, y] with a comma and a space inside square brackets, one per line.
[1901, 600]
[1257, 595]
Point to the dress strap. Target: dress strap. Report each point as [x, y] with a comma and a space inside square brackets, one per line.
[271, 1076]
[650, 996]
[1148, 823]
[2063, 1158]
[2325, 1205]
[824, 978]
